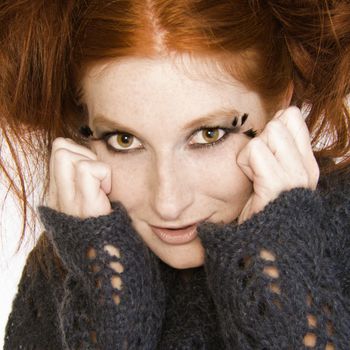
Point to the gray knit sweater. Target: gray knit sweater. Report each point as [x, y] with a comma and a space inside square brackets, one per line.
[116, 294]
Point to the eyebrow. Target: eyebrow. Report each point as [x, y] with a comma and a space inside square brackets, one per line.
[222, 113]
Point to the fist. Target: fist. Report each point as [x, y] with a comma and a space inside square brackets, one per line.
[279, 159]
[79, 183]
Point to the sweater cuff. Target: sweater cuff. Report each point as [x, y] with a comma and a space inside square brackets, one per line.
[287, 227]
[72, 237]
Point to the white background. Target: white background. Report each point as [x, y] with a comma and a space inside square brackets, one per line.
[11, 263]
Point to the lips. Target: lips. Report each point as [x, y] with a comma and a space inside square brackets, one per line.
[176, 236]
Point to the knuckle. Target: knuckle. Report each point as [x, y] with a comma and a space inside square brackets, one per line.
[275, 126]
[82, 166]
[58, 142]
[100, 164]
[294, 110]
[303, 175]
[105, 166]
[300, 178]
[61, 154]
[255, 143]
[292, 115]
[61, 142]
[279, 113]
[256, 150]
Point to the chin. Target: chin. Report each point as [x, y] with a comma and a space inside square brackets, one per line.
[183, 265]
[186, 260]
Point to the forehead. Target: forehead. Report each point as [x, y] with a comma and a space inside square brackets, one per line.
[179, 88]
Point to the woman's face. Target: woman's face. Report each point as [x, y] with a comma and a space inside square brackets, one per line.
[168, 173]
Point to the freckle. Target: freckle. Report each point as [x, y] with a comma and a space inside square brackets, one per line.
[234, 123]
[244, 118]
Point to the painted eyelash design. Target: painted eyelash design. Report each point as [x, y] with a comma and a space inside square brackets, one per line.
[250, 133]
[236, 129]
[86, 132]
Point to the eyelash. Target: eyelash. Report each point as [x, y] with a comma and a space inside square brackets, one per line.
[105, 137]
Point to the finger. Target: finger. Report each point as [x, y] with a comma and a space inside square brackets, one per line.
[90, 173]
[257, 161]
[282, 145]
[52, 195]
[51, 198]
[93, 186]
[68, 144]
[295, 123]
[246, 212]
[64, 174]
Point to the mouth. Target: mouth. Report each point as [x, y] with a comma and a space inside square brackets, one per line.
[176, 235]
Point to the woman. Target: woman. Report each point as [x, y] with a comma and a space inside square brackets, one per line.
[187, 205]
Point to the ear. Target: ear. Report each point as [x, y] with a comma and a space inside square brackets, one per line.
[288, 95]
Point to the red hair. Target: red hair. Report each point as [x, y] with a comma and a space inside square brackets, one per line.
[268, 45]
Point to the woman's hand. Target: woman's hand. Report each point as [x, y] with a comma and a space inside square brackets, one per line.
[79, 184]
[278, 160]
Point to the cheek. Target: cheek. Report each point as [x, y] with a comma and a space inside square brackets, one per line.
[218, 176]
[211, 174]
[128, 183]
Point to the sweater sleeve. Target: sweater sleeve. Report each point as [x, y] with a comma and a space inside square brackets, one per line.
[273, 278]
[113, 297]
[33, 323]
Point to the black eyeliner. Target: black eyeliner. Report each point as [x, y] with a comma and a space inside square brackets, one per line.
[207, 127]
[215, 143]
[107, 134]
[86, 132]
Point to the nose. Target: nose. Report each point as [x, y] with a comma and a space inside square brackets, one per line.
[172, 191]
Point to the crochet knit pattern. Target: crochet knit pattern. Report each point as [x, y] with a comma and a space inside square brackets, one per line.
[278, 279]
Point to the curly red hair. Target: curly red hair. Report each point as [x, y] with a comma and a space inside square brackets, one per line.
[268, 45]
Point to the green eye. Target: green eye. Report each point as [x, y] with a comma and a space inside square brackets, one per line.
[125, 140]
[210, 135]
[207, 136]
[122, 141]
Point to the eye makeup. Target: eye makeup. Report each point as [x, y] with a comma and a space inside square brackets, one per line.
[236, 123]
[236, 129]
[244, 118]
[85, 131]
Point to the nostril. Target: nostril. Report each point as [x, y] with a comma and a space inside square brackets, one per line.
[171, 196]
